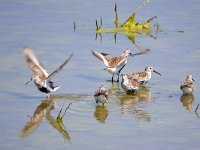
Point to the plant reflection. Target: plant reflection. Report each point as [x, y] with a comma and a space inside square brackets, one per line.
[101, 113]
[43, 111]
[129, 101]
[187, 101]
[130, 37]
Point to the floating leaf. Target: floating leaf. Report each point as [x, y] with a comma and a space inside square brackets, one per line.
[130, 22]
[129, 27]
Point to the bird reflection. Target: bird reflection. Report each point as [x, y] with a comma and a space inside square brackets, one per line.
[101, 113]
[187, 101]
[129, 101]
[43, 111]
[36, 119]
[114, 88]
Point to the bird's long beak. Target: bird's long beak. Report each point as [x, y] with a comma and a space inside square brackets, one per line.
[141, 53]
[130, 54]
[193, 79]
[28, 82]
[157, 72]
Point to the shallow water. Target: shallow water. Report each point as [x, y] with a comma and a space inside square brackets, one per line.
[157, 117]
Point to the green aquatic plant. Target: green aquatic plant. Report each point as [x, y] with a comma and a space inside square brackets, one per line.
[130, 27]
[59, 117]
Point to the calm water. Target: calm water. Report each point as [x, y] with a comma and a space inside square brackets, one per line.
[157, 117]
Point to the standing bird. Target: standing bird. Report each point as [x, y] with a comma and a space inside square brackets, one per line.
[114, 64]
[40, 76]
[143, 77]
[130, 85]
[188, 86]
[101, 95]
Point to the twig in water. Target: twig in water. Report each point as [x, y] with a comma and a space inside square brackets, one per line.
[74, 26]
[97, 25]
[116, 16]
[196, 108]
[115, 37]
[60, 118]
[196, 111]
[66, 110]
[101, 22]
[142, 5]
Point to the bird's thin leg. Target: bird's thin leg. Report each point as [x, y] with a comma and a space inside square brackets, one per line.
[112, 77]
[48, 95]
[119, 72]
[121, 69]
[118, 77]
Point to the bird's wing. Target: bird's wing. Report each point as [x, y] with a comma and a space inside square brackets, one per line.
[187, 84]
[108, 56]
[135, 83]
[120, 61]
[101, 57]
[34, 63]
[139, 75]
[59, 68]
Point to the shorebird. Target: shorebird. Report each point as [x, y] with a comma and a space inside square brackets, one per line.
[40, 76]
[143, 77]
[101, 95]
[188, 86]
[114, 64]
[129, 85]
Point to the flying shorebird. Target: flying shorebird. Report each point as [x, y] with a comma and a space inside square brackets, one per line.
[114, 64]
[101, 95]
[40, 76]
[130, 85]
[188, 86]
[143, 77]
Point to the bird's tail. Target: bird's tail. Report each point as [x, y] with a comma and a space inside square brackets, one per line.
[54, 88]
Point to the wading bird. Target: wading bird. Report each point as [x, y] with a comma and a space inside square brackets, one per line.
[40, 76]
[188, 86]
[115, 64]
[101, 95]
[130, 85]
[143, 77]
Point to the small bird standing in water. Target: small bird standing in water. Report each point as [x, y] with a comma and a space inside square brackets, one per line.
[130, 85]
[40, 76]
[114, 64]
[188, 86]
[101, 95]
[143, 77]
